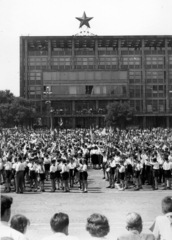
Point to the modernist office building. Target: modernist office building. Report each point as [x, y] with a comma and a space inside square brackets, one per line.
[81, 74]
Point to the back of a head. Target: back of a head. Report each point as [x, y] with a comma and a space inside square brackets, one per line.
[134, 221]
[97, 225]
[19, 223]
[59, 222]
[5, 204]
[167, 204]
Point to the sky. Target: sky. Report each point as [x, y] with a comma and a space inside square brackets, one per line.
[57, 18]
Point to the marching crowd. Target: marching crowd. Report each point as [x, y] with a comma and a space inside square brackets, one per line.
[128, 158]
[97, 225]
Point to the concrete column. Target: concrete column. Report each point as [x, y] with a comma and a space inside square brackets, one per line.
[26, 68]
[168, 121]
[21, 67]
[49, 54]
[144, 122]
[97, 121]
[119, 54]
[143, 79]
[74, 118]
[167, 77]
[73, 122]
[97, 104]
[96, 54]
[73, 54]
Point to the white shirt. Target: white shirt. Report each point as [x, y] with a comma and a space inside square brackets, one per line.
[32, 166]
[8, 166]
[1, 164]
[84, 169]
[162, 227]
[166, 166]
[62, 236]
[112, 163]
[41, 169]
[19, 167]
[65, 168]
[155, 165]
[6, 231]
[53, 168]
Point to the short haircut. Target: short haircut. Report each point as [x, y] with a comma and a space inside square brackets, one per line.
[134, 221]
[59, 221]
[5, 203]
[19, 222]
[97, 225]
[167, 204]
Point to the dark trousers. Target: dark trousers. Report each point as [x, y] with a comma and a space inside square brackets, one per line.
[19, 181]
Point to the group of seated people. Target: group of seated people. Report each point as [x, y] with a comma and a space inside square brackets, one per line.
[97, 225]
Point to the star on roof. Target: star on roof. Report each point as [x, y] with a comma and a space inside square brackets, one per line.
[84, 20]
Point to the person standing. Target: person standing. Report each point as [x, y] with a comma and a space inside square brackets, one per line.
[155, 165]
[41, 172]
[104, 163]
[8, 171]
[167, 172]
[72, 167]
[53, 170]
[65, 176]
[19, 175]
[84, 176]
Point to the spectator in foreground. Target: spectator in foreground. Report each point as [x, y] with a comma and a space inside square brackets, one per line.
[97, 225]
[134, 226]
[20, 223]
[162, 227]
[5, 230]
[60, 226]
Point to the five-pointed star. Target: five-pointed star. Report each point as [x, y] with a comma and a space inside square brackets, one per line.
[84, 20]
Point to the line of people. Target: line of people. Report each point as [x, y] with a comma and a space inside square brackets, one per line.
[64, 173]
[97, 225]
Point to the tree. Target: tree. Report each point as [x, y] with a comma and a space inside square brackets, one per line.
[6, 96]
[15, 110]
[118, 114]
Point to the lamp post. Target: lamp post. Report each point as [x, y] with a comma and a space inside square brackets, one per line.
[50, 110]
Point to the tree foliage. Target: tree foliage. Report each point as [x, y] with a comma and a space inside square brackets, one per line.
[15, 110]
[118, 114]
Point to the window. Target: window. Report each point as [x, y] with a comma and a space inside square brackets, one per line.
[131, 62]
[135, 77]
[155, 77]
[72, 90]
[154, 62]
[97, 90]
[88, 89]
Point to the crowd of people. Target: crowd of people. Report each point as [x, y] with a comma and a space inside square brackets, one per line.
[97, 225]
[128, 158]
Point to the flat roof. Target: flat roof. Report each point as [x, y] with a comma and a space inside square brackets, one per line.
[103, 41]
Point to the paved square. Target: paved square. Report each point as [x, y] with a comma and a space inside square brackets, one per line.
[39, 207]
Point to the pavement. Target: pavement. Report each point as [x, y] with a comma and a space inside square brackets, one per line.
[114, 204]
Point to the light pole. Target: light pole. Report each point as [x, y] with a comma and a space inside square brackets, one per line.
[50, 110]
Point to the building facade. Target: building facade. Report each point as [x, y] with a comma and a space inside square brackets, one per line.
[73, 78]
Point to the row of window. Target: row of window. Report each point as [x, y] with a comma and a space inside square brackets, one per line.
[90, 107]
[68, 52]
[126, 62]
[135, 77]
[114, 90]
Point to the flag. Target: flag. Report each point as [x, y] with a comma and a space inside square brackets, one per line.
[103, 132]
[91, 135]
[110, 130]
